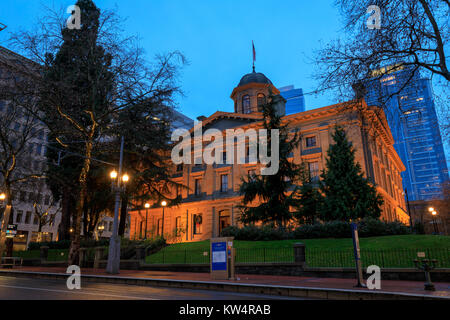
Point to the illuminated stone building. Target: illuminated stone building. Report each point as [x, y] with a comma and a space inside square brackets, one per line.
[209, 203]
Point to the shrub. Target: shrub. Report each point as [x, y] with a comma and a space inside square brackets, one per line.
[254, 233]
[368, 227]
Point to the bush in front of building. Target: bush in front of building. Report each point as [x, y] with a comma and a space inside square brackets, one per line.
[254, 233]
[371, 227]
[368, 227]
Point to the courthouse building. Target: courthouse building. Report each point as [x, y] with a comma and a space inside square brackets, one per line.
[210, 201]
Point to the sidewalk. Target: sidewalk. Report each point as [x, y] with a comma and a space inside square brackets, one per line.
[282, 283]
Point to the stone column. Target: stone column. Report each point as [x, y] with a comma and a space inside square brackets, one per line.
[300, 253]
[99, 252]
[44, 253]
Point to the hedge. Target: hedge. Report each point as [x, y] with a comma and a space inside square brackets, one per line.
[368, 227]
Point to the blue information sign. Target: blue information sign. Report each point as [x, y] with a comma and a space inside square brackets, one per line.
[219, 256]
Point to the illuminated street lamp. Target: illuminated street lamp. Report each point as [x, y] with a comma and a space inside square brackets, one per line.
[113, 265]
[101, 228]
[433, 215]
[147, 205]
[2, 196]
[113, 174]
[163, 204]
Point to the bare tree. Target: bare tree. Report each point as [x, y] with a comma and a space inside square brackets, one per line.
[19, 126]
[46, 215]
[91, 75]
[413, 33]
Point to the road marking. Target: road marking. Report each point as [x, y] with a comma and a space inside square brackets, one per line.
[74, 292]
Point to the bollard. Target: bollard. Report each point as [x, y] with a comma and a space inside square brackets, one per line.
[44, 253]
[140, 252]
[300, 254]
[82, 257]
[99, 252]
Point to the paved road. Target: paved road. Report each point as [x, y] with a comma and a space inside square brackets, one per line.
[42, 289]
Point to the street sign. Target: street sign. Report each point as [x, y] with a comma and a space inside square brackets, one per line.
[11, 230]
[222, 258]
[219, 256]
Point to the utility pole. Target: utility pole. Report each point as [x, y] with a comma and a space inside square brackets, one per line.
[113, 266]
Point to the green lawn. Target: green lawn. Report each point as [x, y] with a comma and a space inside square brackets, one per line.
[388, 251]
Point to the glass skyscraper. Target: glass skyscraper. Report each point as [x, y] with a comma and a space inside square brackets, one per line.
[411, 116]
[295, 101]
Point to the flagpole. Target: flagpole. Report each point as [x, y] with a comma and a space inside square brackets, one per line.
[254, 56]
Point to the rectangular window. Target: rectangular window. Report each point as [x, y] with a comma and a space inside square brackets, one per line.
[28, 217]
[252, 174]
[178, 226]
[47, 200]
[35, 220]
[38, 149]
[19, 216]
[310, 142]
[198, 188]
[224, 183]
[313, 168]
[198, 221]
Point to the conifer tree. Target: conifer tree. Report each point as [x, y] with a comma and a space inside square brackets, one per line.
[348, 195]
[272, 191]
[309, 198]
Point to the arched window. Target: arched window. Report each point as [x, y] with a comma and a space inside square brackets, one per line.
[246, 104]
[261, 101]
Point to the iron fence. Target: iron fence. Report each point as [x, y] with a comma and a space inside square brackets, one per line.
[384, 258]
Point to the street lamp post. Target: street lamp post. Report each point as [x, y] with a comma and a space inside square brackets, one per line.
[164, 204]
[113, 265]
[101, 228]
[4, 223]
[433, 215]
[147, 205]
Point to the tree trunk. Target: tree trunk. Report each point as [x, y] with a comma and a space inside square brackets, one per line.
[64, 225]
[123, 216]
[9, 242]
[75, 244]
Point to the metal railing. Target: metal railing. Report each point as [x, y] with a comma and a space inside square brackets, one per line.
[384, 258]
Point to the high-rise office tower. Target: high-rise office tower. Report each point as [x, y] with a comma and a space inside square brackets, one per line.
[295, 101]
[411, 115]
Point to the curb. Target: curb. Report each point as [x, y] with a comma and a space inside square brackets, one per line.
[287, 291]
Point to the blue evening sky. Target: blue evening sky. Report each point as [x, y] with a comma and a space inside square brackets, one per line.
[215, 36]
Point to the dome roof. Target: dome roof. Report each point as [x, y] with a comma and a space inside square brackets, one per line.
[254, 77]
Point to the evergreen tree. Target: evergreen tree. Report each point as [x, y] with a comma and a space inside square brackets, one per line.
[272, 191]
[309, 198]
[347, 193]
[78, 83]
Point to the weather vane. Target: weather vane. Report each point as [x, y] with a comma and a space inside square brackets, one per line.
[2, 26]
